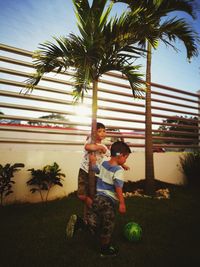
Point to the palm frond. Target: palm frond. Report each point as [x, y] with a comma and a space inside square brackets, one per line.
[160, 8]
[81, 10]
[103, 45]
[50, 57]
[104, 17]
[189, 7]
[179, 29]
[135, 79]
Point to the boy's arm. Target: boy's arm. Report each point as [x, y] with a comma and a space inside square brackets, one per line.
[122, 206]
[93, 159]
[125, 167]
[95, 147]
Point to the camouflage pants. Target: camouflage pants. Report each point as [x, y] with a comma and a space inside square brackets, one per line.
[101, 217]
[83, 183]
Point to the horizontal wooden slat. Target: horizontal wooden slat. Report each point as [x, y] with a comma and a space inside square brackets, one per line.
[64, 82]
[130, 111]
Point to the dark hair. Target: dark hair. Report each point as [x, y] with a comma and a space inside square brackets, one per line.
[100, 125]
[120, 147]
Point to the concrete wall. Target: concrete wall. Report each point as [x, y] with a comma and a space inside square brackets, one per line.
[167, 167]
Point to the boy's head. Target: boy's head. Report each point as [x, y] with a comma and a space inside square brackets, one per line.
[101, 131]
[120, 151]
[100, 125]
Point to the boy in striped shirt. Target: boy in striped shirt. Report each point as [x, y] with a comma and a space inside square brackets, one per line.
[101, 215]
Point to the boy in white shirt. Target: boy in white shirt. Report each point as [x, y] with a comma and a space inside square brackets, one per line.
[101, 151]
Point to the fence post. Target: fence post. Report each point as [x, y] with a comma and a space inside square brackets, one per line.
[198, 92]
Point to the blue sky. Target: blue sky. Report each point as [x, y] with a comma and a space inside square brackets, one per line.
[26, 23]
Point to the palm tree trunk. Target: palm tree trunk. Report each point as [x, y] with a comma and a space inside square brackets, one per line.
[48, 193]
[92, 181]
[40, 191]
[1, 203]
[149, 164]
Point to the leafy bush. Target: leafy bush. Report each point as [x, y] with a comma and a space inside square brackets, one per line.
[190, 164]
[6, 182]
[44, 179]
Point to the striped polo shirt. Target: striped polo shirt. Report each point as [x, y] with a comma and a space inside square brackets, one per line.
[109, 177]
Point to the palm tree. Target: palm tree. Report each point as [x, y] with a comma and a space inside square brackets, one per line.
[102, 45]
[151, 14]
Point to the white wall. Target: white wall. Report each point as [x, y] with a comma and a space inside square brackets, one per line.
[167, 167]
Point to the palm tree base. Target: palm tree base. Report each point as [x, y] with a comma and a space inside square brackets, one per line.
[150, 187]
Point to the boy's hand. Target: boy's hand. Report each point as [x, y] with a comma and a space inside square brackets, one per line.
[125, 167]
[88, 202]
[102, 149]
[92, 158]
[122, 208]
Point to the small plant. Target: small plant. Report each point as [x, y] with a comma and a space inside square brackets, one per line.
[6, 182]
[190, 164]
[44, 179]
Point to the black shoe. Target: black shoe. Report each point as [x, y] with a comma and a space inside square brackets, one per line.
[109, 251]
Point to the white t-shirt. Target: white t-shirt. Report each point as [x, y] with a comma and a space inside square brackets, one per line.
[99, 156]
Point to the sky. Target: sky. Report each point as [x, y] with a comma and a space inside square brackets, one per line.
[26, 23]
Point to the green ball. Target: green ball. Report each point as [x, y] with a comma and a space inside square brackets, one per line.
[132, 231]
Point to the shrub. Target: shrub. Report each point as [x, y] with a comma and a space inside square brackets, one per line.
[44, 179]
[190, 164]
[6, 182]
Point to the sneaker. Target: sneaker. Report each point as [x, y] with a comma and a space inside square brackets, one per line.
[74, 224]
[110, 251]
[71, 226]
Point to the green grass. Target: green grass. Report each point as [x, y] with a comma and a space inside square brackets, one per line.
[34, 234]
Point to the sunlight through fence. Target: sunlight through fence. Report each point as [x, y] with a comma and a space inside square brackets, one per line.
[48, 115]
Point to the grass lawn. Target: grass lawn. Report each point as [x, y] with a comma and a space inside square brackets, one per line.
[34, 234]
